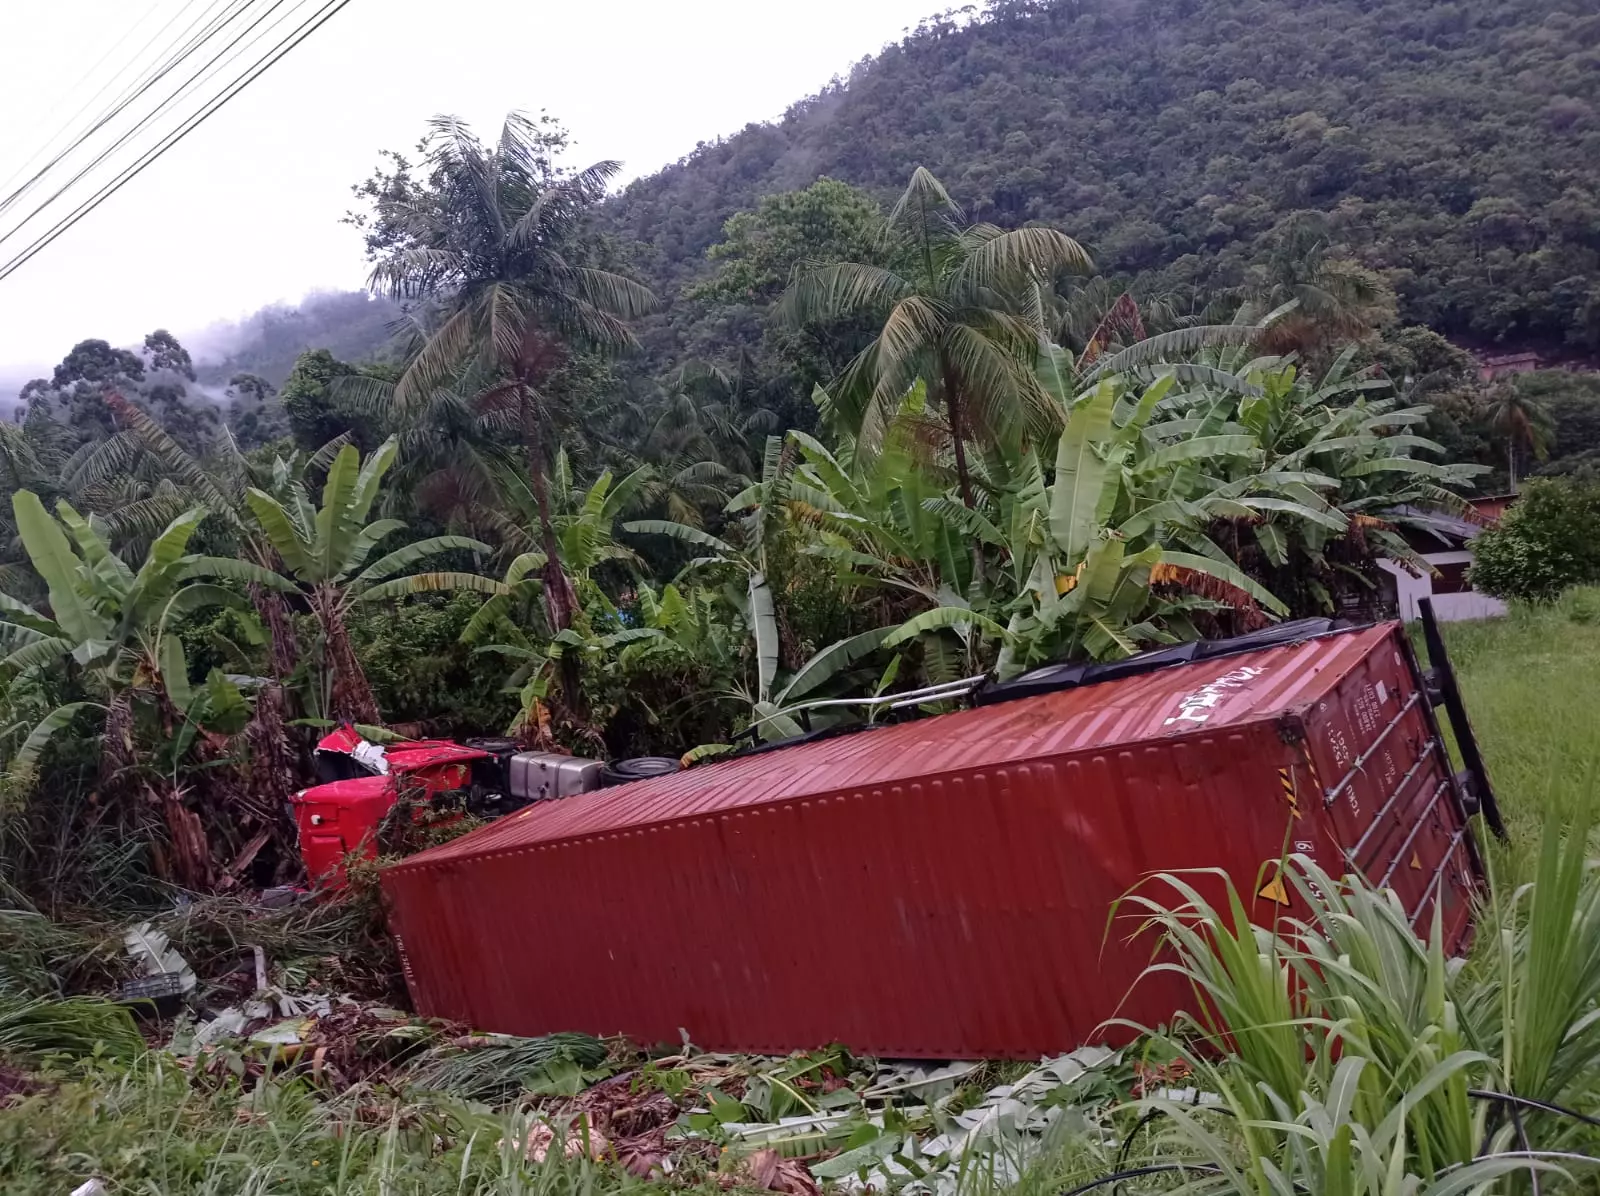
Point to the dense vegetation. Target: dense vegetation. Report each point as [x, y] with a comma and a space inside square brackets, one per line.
[1113, 328]
[1451, 147]
[947, 448]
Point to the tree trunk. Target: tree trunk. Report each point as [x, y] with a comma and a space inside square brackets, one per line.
[952, 410]
[1511, 463]
[350, 699]
[284, 646]
[188, 851]
[117, 754]
[559, 598]
[274, 765]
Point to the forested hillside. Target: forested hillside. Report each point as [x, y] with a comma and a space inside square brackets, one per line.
[350, 324]
[1453, 146]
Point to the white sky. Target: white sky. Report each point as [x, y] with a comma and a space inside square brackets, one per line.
[245, 210]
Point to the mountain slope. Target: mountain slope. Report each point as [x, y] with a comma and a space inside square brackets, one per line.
[1454, 145]
[352, 325]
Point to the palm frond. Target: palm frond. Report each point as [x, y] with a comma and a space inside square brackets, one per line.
[921, 204]
[112, 457]
[838, 290]
[436, 361]
[1005, 261]
[1180, 342]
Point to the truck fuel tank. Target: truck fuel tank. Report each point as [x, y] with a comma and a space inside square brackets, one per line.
[540, 776]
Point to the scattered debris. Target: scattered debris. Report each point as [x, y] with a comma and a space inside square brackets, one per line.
[791, 1125]
[153, 952]
[769, 1170]
[495, 1068]
[578, 1138]
[910, 1127]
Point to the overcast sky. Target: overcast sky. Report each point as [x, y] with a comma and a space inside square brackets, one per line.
[245, 210]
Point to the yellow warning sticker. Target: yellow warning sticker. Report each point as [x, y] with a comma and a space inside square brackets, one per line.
[1274, 890]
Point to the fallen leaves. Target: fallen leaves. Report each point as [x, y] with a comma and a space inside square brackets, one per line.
[770, 1171]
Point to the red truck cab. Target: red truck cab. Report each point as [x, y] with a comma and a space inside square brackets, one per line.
[343, 815]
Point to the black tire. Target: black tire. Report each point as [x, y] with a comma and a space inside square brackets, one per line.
[494, 745]
[638, 768]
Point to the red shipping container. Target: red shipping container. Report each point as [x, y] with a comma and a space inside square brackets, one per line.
[942, 888]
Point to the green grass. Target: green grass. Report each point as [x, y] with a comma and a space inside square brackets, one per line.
[154, 1130]
[1531, 683]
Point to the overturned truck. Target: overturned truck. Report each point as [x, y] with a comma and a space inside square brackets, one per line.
[948, 887]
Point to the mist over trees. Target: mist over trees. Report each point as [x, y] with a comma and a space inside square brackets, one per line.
[352, 325]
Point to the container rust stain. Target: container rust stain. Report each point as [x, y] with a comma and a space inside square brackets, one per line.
[942, 888]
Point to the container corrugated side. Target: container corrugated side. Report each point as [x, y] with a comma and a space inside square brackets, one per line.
[954, 915]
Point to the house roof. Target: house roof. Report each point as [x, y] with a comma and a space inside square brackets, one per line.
[1436, 527]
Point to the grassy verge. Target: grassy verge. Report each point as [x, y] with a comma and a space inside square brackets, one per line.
[154, 1130]
[1531, 682]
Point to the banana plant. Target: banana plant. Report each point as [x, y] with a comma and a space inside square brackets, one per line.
[752, 602]
[110, 626]
[514, 623]
[221, 485]
[584, 523]
[1334, 476]
[325, 551]
[1098, 576]
[1124, 513]
[762, 508]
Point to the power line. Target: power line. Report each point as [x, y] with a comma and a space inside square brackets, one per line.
[44, 148]
[205, 71]
[129, 94]
[213, 27]
[329, 10]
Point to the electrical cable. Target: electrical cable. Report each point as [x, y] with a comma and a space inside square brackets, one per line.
[311, 25]
[85, 78]
[329, 10]
[132, 93]
[161, 109]
[129, 94]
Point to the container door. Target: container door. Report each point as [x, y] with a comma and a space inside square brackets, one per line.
[1386, 786]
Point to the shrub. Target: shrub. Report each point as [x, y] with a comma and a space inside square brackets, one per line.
[1548, 541]
[420, 671]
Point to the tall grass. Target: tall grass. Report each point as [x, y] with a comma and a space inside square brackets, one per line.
[1531, 683]
[38, 1030]
[1349, 1054]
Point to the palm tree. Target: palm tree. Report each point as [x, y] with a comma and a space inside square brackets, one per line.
[953, 317]
[1522, 422]
[325, 551]
[491, 241]
[1336, 300]
[219, 485]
